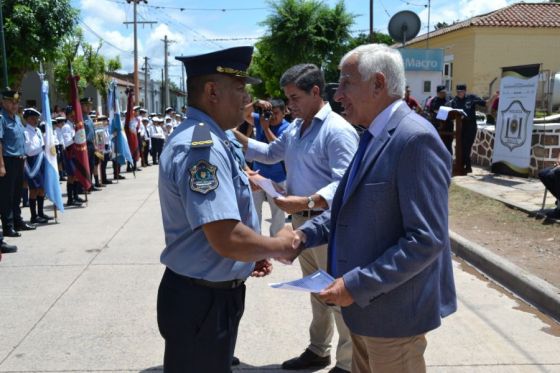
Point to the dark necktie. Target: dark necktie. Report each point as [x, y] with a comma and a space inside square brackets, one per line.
[364, 142]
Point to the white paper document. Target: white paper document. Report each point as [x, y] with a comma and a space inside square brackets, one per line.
[268, 187]
[444, 111]
[314, 283]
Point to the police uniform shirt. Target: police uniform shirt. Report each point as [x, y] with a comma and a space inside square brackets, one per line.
[68, 133]
[33, 140]
[11, 135]
[468, 104]
[90, 129]
[198, 184]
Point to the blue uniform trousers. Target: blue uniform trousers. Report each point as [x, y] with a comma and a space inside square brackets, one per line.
[199, 324]
[10, 192]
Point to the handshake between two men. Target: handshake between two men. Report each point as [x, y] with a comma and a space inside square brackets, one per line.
[294, 243]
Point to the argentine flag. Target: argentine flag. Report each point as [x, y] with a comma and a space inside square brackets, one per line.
[122, 151]
[50, 177]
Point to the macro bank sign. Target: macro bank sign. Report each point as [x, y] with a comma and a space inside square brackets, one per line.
[416, 59]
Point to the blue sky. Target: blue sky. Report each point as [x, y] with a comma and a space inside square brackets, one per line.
[200, 28]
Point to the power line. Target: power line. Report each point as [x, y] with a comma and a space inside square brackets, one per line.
[385, 9]
[182, 9]
[88, 28]
[413, 4]
[213, 43]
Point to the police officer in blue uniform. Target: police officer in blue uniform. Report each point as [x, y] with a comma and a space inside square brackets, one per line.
[89, 127]
[468, 103]
[13, 157]
[210, 224]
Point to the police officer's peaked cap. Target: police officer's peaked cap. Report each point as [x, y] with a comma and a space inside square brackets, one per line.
[441, 88]
[461, 87]
[86, 100]
[60, 119]
[145, 119]
[169, 109]
[142, 110]
[136, 108]
[231, 61]
[68, 109]
[102, 117]
[31, 112]
[10, 94]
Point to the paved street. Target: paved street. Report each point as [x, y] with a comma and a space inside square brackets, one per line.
[80, 296]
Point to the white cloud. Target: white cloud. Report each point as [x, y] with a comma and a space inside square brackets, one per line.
[109, 12]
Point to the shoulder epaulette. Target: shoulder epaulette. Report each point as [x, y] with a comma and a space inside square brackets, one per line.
[202, 137]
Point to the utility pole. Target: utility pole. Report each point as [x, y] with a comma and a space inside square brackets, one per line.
[135, 27]
[146, 70]
[371, 34]
[166, 43]
[162, 93]
[428, 36]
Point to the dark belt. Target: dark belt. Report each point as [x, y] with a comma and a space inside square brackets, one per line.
[309, 213]
[231, 284]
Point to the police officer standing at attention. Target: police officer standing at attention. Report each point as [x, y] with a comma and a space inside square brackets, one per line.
[468, 103]
[12, 154]
[89, 126]
[210, 224]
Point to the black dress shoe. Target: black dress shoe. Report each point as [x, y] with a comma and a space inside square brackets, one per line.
[11, 232]
[107, 182]
[38, 220]
[235, 361]
[306, 360]
[46, 217]
[121, 177]
[73, 203]
[79, 199]
[554, 214]
[23, 226]
[7, 249]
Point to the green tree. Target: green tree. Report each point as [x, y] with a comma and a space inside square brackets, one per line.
[361, 39]
[33, 30]
[86, 62]
[300, 31]
[441, 25]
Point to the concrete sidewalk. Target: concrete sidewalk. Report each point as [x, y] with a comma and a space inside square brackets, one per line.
[524, 194]
[80, 296]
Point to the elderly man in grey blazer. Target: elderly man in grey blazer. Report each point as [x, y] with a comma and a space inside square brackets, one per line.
[387, 228]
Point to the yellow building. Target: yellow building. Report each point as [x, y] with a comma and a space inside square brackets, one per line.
[476, 49]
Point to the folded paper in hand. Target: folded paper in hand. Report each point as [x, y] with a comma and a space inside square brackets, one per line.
[268, 187]
[314, 283]
[444, 111]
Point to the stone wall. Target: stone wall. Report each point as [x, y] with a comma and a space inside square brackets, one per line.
[544, 150]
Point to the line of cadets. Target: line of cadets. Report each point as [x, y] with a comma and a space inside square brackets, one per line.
[152, 131]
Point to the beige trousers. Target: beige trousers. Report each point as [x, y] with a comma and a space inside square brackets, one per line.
[321, 329]
[389, 355]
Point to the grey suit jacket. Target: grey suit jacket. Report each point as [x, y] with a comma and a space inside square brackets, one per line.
[390, 237]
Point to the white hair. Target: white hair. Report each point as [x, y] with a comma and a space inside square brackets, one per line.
[379, 58]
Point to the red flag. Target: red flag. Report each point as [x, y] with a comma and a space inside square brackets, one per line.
[131, 127]
[79, 152]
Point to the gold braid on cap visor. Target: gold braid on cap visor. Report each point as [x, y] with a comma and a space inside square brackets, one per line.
[229, 70]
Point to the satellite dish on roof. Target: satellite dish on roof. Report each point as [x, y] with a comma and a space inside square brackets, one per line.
[404, 26]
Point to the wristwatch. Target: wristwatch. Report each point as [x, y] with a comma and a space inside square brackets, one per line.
[310, 203]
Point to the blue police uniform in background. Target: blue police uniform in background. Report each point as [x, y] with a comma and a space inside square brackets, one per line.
[201, 296]
[468, 103]
[89, 127]
[13, 151]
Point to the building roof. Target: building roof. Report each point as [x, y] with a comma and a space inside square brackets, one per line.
[542, 15]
